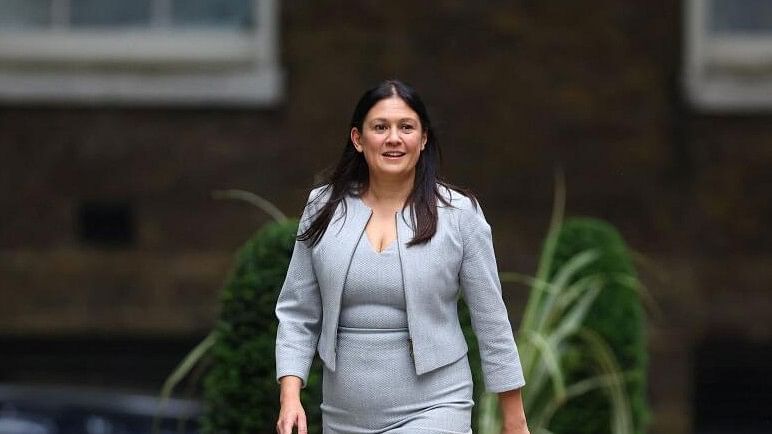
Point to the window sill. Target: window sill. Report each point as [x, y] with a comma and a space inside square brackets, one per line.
[248, 86]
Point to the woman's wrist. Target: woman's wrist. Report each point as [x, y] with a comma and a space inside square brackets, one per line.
[515, 423]
[290, 388]
[513, 415]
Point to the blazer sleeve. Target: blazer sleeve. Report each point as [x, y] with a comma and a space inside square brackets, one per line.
[299, 310]
[481, 289]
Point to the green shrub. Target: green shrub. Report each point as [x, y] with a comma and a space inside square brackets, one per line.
[616, 316]
[474, 359]
[241, 394]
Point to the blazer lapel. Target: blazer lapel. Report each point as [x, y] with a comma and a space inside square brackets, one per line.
[411, 259]
[344, 233]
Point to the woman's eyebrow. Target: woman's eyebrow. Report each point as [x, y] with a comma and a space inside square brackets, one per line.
[399, 120]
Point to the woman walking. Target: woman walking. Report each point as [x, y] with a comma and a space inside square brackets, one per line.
[384, 250]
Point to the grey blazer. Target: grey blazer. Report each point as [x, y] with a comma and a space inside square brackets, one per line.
[459, 260]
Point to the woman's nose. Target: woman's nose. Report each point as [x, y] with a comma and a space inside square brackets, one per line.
[393, 135]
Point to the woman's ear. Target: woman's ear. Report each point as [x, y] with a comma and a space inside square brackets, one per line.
[355, 136]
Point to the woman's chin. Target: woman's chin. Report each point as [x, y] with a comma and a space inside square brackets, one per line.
[393, 172]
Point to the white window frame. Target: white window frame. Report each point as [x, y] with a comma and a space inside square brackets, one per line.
[724, 73]
[157, 66]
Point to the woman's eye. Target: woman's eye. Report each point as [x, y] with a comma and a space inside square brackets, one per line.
[407, 127]
[380, 127]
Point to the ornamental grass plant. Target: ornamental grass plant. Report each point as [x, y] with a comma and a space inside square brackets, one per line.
[564, 356]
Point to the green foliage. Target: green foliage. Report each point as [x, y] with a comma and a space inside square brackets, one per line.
[474, 359]
[552, 337]
[616, 317]
[552, 330]
[241, 394]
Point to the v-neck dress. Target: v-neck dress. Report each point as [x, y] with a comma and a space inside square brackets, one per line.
[374, 388]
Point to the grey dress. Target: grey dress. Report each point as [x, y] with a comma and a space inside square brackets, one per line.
[374, 388]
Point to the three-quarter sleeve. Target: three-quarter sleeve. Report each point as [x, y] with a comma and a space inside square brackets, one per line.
[481, 289]
[299, 310]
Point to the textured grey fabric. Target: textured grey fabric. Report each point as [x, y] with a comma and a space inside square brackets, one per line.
[375, 389]
[458, 261]
[373, 296]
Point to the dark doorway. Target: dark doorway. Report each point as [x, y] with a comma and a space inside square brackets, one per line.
[732, 387]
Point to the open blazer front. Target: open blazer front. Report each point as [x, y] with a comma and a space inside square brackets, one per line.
[458, 261]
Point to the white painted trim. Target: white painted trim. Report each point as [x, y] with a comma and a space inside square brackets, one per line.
[137, 47]
[260, 86]
[267, 22]
[153, 67]
[724, 73]
[744, 52]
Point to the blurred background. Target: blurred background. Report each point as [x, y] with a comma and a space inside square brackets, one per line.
[118, 119]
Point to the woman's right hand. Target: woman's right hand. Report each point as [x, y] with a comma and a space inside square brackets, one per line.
[291, 412]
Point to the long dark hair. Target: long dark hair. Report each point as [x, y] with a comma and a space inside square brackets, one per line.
[351, 175]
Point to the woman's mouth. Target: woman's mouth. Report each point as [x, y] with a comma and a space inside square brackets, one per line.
[393, 155]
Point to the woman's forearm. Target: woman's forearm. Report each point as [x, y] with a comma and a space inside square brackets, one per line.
[290, 388]
[513, 414]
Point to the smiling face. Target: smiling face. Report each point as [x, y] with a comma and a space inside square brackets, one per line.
[391, 139]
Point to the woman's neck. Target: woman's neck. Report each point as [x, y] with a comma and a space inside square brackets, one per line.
[388, 193]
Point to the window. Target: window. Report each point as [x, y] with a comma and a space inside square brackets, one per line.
[149, 52]
[728, 54]
[106, 223]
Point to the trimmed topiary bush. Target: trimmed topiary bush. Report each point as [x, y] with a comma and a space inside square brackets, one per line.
[616, 316]
[241, 394]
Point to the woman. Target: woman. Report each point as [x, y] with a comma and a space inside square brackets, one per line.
[384, 250]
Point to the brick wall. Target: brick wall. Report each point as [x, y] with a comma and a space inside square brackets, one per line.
[515, 89]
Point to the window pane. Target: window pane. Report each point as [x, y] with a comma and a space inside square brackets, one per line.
[213, 13]
[24, 13]
[112, 13]
[740, 16]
